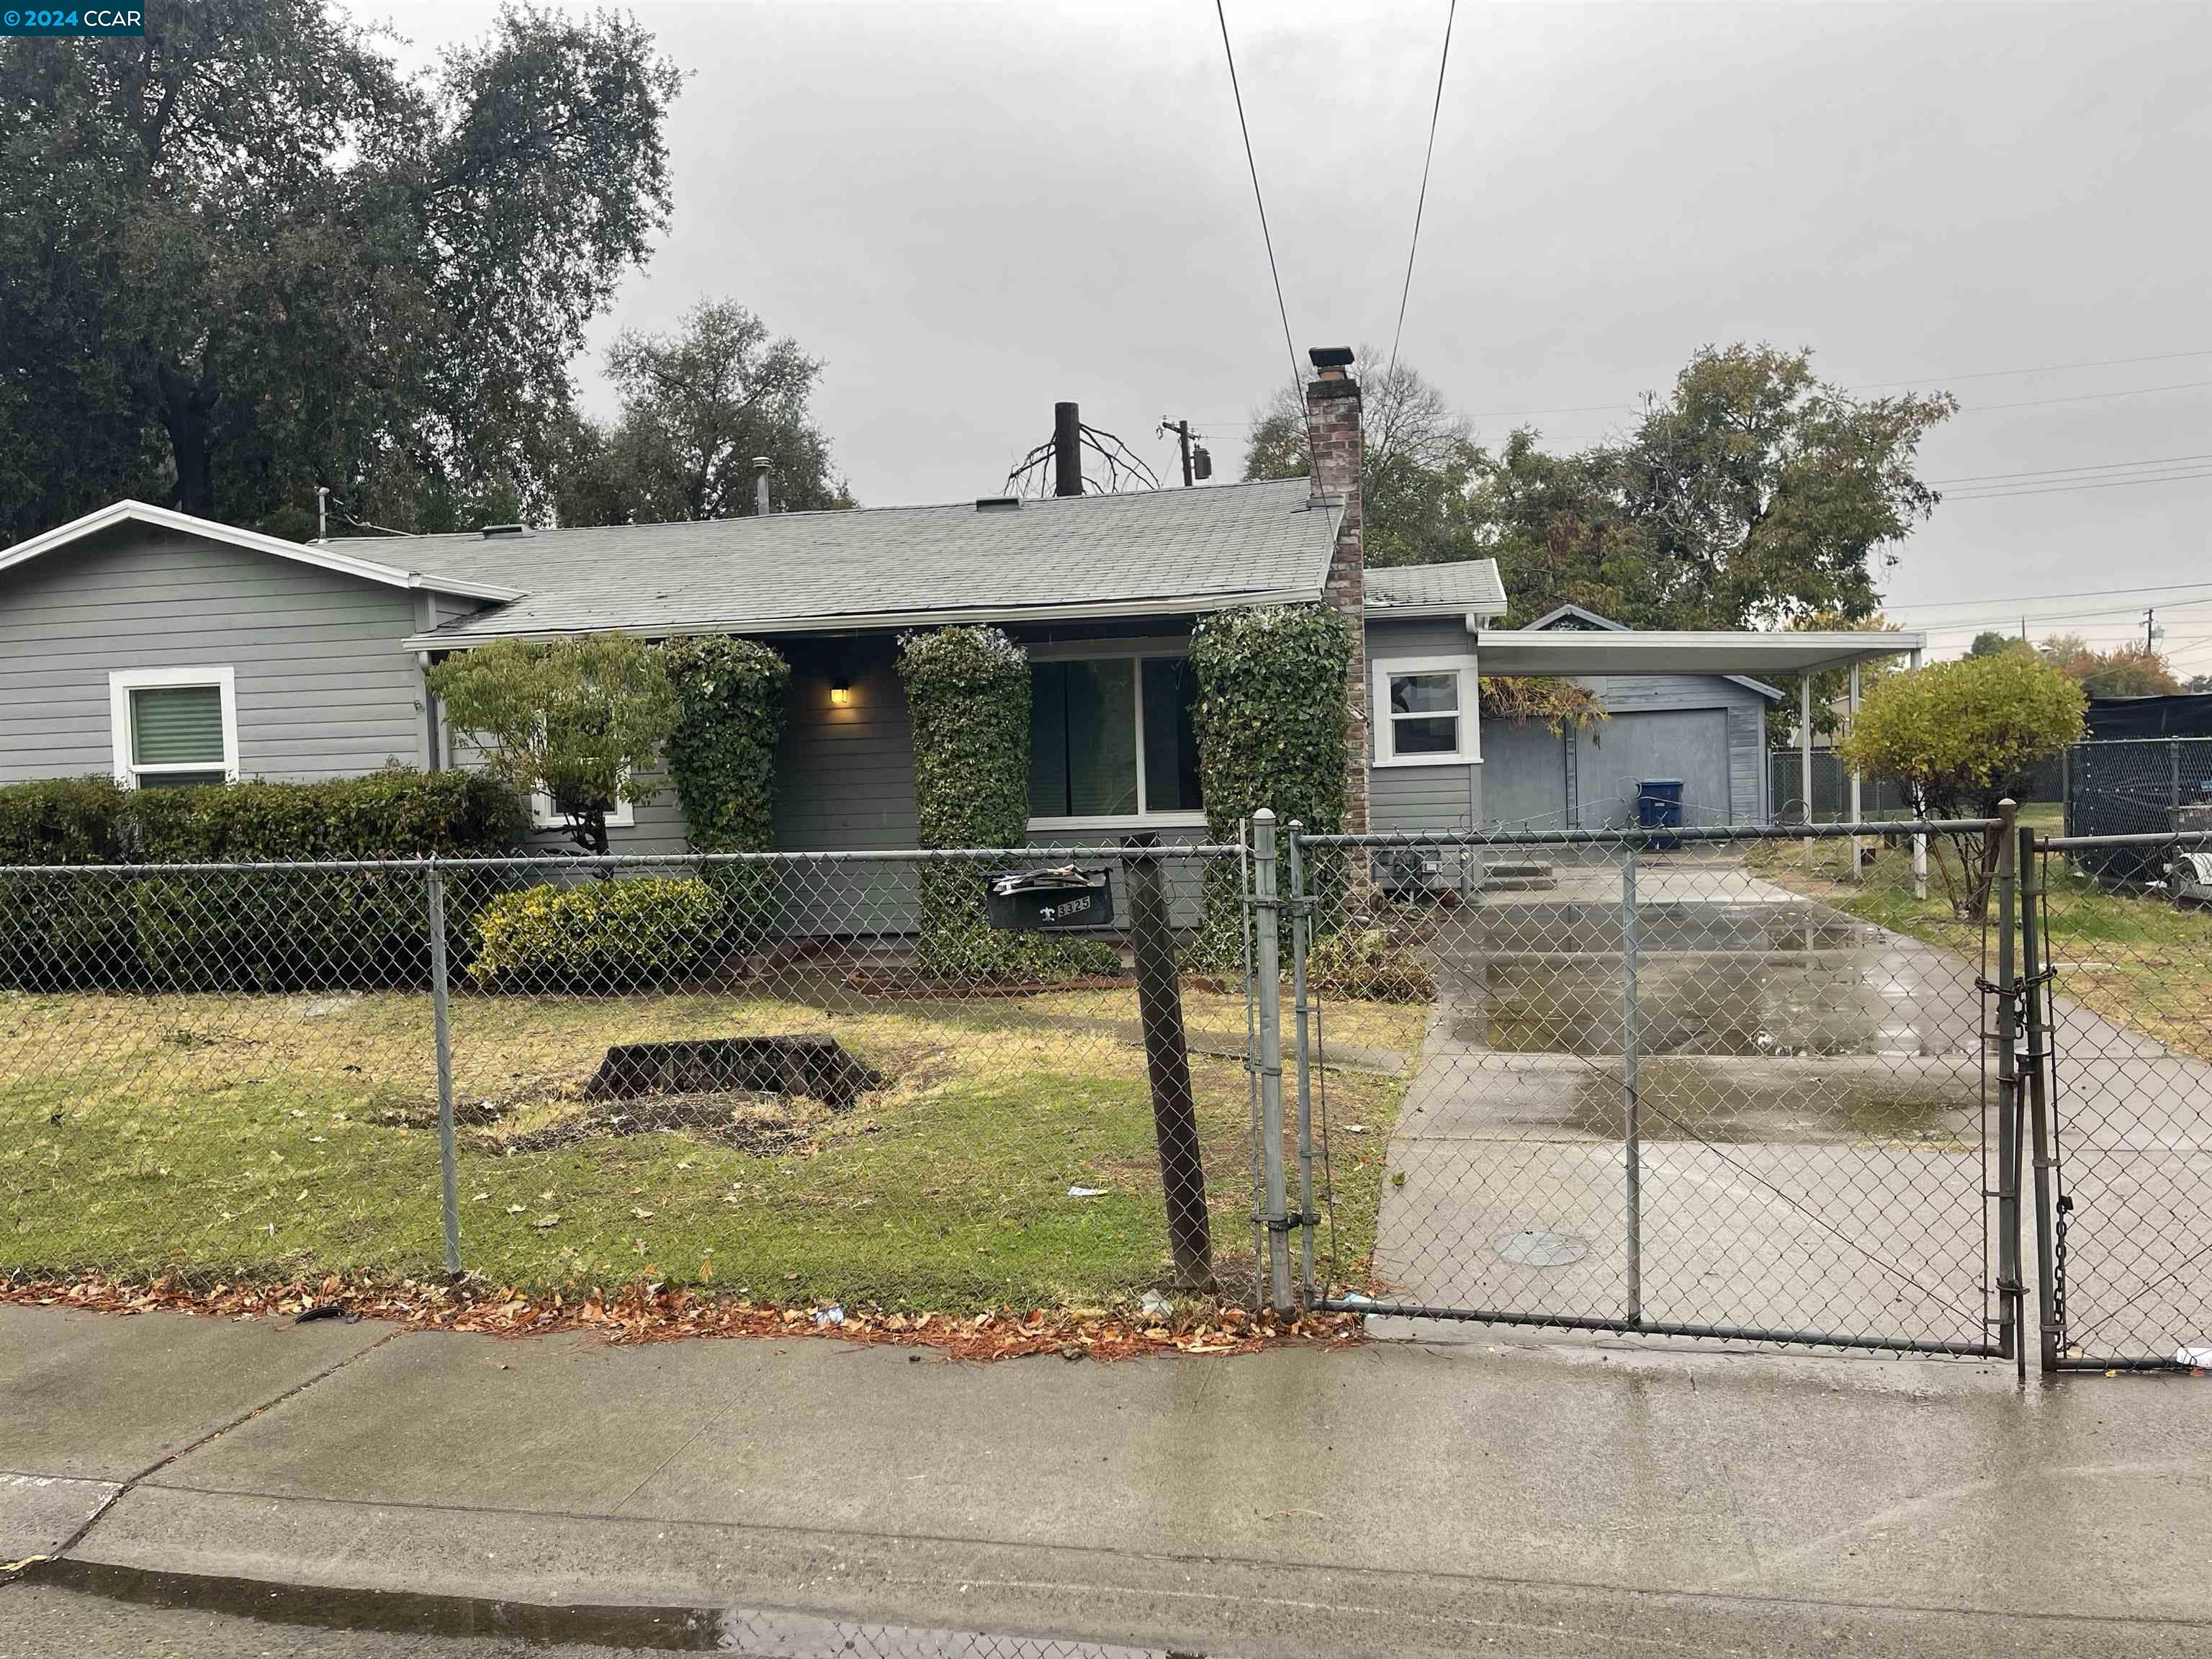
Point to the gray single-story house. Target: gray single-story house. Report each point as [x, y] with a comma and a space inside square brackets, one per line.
[164, 648]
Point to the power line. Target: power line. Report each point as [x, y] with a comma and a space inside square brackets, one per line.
[1290, 347]
[1421, 203]
[2037, 598]
[2086, 397]
[2063, 489]
[2102, 467]
[2047, 369]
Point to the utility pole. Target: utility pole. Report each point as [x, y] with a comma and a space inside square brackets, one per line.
[2151, 616]
[1066, 450]
[1197, 465]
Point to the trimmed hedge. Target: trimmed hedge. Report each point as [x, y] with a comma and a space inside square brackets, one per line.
[1272, 721]
[257, 931]
[968, 699]
[602, 935]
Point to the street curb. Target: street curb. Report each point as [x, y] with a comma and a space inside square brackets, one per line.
[409, 1613]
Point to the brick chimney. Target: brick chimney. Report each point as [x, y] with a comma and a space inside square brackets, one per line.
[1333, 422]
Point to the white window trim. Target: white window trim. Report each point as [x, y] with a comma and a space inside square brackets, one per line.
[124, 681]
[1136, 650]
[621, 816]
[1470, 713]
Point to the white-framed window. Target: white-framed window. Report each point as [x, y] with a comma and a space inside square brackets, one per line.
[1111, 738]
[173, 726]
[620, 816]
[1425, 712]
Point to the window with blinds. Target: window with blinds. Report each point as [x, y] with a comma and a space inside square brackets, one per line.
[176, 736]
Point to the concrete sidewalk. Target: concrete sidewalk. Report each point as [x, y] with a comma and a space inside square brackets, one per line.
[1387, 1498]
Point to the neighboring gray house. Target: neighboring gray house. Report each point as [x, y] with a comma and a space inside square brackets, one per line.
[167, 649]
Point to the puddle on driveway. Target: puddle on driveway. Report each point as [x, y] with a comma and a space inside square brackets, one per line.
[1735, 1105]
[1718, 979]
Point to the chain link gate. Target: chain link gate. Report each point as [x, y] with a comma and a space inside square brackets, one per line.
[2116, 960]
[1670, 1083]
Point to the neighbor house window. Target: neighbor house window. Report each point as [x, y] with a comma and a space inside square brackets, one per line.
[620, 816]
[1111, 738]
[1425, 712]
[173, 726]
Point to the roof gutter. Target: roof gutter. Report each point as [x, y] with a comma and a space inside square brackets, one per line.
[1101, 610]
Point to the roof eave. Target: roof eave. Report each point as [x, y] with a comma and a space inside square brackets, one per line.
[1098, 611]
[320, 556]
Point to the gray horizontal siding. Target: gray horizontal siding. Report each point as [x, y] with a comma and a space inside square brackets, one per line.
[324, 688]
[1426, 637]
[1434, 799]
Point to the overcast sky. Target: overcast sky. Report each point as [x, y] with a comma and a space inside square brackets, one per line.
[971, 210]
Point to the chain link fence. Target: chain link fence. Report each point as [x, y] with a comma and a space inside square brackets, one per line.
[802, 1079]
[1716, 1084]
[2121, 1027]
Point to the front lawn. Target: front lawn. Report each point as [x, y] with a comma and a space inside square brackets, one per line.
[2130, 955]
[218, 1136]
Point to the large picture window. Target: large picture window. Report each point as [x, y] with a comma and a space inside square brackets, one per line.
[174, 726]
[1111, 738]
[1425, 712]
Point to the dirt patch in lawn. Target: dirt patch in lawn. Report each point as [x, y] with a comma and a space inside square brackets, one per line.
[753, 1122]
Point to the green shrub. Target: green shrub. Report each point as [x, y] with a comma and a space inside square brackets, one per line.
[61, 931]
[1272, 721]
[982, 955]
[599, 935]
[731, 697]
[245, 931]
[1367, 963]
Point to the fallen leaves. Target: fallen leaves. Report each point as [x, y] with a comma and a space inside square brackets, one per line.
[657, 1313]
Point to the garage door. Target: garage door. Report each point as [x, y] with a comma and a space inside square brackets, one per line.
[1613, 756]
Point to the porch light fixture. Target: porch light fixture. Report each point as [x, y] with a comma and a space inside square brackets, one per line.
[840, 693]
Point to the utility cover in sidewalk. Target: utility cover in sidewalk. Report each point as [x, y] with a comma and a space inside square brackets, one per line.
[1542, 1250]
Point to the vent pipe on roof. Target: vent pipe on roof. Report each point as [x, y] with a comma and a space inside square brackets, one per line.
[760, 464]
[1066, 450]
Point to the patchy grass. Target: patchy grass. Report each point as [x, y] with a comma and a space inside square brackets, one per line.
[216, 1137]
[2134, 958]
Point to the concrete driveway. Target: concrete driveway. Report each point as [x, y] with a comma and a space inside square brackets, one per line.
[1812, 1155]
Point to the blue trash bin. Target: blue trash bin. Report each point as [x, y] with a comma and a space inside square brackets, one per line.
[1659, 806]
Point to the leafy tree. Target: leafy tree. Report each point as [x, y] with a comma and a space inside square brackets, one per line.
[580, 721]
[1990, 643]
[1754, 495]
[244, 255]
[2199, 684]
[2131, 670]
[1420, 461]
[698, 405]
[1962, 736]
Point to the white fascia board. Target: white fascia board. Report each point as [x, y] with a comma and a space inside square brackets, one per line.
[323, 557]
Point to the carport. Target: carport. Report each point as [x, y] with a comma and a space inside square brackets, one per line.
[1616, 651]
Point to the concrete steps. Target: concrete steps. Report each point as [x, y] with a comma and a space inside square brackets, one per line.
[1517, 875]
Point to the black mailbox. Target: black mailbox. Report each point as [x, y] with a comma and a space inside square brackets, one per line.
[1037, 901]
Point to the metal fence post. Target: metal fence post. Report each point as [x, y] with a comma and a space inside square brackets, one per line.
[1301, 943]
[441, 1025]
[1632, 1128]
[1267, 970]
[2040, 1051]
[2007, 993]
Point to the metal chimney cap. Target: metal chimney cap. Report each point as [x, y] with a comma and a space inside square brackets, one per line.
[491, 531]
[998, 503]
[761, 463]
[1331, 356]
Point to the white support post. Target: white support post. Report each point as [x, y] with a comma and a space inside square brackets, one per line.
[1805, 750]
[1857, 814]
[1919, 842]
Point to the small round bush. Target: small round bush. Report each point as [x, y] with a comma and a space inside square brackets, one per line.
[599, 935]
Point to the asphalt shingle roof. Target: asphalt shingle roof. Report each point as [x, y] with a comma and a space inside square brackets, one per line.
[1464, 585]
[1151, 552]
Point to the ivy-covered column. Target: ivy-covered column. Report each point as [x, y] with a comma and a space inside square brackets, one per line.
[968, 699]
[1271, 721]
[731, 700]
